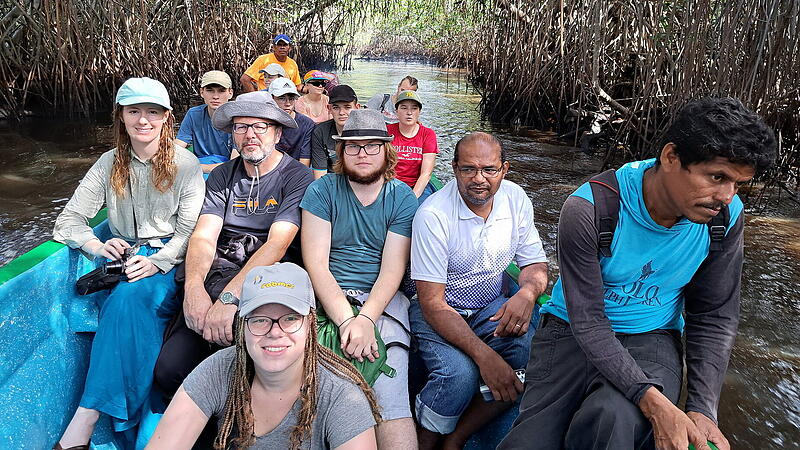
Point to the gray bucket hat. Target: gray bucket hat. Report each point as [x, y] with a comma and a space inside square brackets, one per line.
[257, 104]
[282, 283]
[363, 125]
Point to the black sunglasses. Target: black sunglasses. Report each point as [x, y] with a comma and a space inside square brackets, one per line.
[318, 83]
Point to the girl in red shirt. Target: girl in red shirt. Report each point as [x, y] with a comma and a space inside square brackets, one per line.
[415, 144]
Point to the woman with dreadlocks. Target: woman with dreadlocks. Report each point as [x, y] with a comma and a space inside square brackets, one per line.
[153, 192]
[277, 387]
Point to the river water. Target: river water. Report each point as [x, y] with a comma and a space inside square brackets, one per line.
[41, 161]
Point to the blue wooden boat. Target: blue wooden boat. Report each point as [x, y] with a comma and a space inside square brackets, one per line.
[46, 332]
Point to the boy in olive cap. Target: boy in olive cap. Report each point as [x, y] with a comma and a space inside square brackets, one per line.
[211, 146]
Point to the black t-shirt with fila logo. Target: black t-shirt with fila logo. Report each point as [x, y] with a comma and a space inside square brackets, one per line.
[248, 206]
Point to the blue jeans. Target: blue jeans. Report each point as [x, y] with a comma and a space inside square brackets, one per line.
[129, 334]
[425, 193]
[453, 377]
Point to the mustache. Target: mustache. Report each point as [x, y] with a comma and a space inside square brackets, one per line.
[483, 185]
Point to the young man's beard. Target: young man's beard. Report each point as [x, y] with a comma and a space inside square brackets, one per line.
[368, 178]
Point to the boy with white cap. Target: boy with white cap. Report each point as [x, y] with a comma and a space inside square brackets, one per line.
[295, 142]
[272, 72]
[211, 146]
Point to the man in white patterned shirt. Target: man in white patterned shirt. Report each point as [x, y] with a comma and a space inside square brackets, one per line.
[465, 326]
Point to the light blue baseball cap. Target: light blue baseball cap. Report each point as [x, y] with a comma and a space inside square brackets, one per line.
[143, 90]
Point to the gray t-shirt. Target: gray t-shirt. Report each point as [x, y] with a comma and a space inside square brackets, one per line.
[343, 411]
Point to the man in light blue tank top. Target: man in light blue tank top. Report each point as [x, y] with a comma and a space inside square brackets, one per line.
[607, 360]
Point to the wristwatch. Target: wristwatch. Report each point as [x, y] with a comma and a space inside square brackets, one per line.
[227, 298]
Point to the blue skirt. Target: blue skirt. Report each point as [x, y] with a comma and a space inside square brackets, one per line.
[129, 335]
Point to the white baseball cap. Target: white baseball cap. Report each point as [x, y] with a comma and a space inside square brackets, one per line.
[282, 86]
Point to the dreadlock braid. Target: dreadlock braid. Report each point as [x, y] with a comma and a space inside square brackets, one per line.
[344, 369]
[237, 406]
[308, 390]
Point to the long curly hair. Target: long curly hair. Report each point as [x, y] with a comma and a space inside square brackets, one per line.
[391, 160]
[164, 168]
[238, 412]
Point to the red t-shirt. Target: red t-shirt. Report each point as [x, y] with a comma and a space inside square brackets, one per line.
[410, 151]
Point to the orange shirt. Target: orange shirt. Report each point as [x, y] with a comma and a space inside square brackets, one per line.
[292, 72]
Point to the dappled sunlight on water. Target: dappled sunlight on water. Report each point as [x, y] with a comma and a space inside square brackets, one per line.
[41, 162]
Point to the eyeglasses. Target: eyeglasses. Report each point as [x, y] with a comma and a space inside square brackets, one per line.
[258, 127]
[318, 83]
[355, 149]
[262, 325]
[487, 172]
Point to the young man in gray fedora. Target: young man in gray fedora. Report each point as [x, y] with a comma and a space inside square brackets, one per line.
[250, 218]
[357, 232]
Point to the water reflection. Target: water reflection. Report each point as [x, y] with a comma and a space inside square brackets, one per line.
[41, 162]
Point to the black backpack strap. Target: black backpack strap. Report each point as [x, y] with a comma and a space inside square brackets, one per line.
[717, 227]
[386, 98]
[605, 190]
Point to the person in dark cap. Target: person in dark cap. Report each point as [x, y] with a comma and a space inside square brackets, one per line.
[254, 78]
[250, 218]
[342, 101]
[357, 231]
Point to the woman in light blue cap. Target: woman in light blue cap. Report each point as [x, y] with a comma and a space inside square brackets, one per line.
[153, 192]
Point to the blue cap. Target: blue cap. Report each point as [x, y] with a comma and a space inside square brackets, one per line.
[282, 37]
[143, 90]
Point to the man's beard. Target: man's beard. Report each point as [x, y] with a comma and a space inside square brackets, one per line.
[469, 198]
[257, 157]
[365, 179]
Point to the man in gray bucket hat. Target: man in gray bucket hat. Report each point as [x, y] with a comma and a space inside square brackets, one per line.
[357, 231]
[250, 218]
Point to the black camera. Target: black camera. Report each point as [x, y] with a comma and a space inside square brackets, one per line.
[117, 267]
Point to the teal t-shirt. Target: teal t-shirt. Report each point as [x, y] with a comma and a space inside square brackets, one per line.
[643, 280]
[358, 232]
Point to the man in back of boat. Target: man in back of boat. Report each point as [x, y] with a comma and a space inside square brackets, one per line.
[342, 101]
[608, 357]
[295, 142]
[253, 79]
[465, 326]
[250, 218]
[211, 146]
[356, 237]
[385, 103]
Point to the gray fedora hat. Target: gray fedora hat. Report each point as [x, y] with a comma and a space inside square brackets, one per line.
[364, 125]
[257, 104]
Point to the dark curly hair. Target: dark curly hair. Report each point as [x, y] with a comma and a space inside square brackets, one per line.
[711, 127]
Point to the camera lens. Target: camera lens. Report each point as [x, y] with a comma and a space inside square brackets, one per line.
[114, 267]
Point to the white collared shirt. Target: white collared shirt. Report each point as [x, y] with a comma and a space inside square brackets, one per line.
[453, 246]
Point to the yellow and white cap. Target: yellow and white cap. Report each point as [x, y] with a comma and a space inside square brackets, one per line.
[282, 283]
